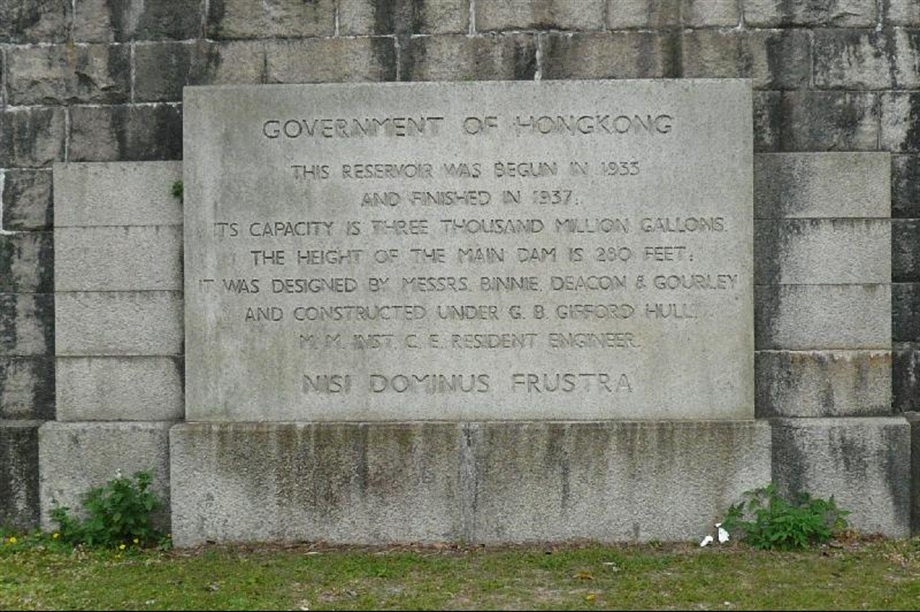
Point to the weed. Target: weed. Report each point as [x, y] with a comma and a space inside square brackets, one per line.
[178, 190]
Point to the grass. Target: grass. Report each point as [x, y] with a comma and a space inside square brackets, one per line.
[38, 573]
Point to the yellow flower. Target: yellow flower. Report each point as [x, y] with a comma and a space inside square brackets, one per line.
[12, 540]
[121, 547]
[136, 541]
[55, 535]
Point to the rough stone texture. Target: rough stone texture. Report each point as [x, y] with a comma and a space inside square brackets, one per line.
[815, 121]
[863, 462]
[547, 15]
[114, 20]
[836, 13]
[31, 137]
[821, 185]
[331, 60]
[913, 418]
[125, 133]
[803, 317]
[76, 457]
[119, 389]
[29, 21]
[26, 200]
[905, 312]
[905, 250]
[228, 19]
[773, 59]
[27, 262]
[124, 258]
[905, 186]
[26, 323]
[19, 493]
[900, 123]
[611, 55]
[905, 379]
[455, 58]
[26, 388]
[119, 323]
[401, 17]
[867, 59]
[823, 383]
[901, 12]
[822, 251]
[671, 14]
[68, 74]
[473, 482]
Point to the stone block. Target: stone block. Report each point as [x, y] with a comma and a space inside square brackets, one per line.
[905, 250]
[815, 121]
[26, 387]
[119, 389]
[905, 186]
[773, 59]
[125, 133]
[238, 482]
[456, 58]
[901, 12]
[76, 457]
[26, 323]
[35, 21]
[27, 262]
[551, 15]
[804, 317]
[905, 379]
[119, 323]
[674, 14]
[106, 21]
[26, 200]
[905, 312]
[821, 185]
[19, 492]
[823, 383]
[116, 193]
[864, 462]
[867, 59]
[402, 17]
[822, 251]
[68, 74]
[331, 60]
[900, 122]
[31, 137]
[118, 258]
[611, 55]
[227, 19]
[837, 14]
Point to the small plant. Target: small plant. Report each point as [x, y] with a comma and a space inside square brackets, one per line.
[768, 521]
[178, 190]
[119, 513]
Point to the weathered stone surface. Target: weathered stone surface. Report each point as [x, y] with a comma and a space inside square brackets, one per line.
[473, 482]
[551, 15]
[26, 323]
[125, 133]
[30, 21]
[815, 121]
[119, 323]
[611, 55]
[124, 258]
[905, 186]
[905, 379]
[117, 193]
[822, 251]
[900, 123]
[839, 13]
[331, 60]
[31, 137]
[455, 58]
[821, 185]
[863, 462]
[905, 312]
[26, 200]
[803, 317]
[27, 262]
[26, 388]
[119, 389]
[68, 74]
[19, 498]
[905, 250]
[867, 59]
[823, 383]
[76, 457]
[773, 59]
[228, 19]
[402, 17]
[901, 12]
[112, 20]
[672, 14]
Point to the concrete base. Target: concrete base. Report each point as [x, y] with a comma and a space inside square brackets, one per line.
[19, 502]
[473, 482]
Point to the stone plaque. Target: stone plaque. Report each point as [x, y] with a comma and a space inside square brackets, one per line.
[563, 250]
